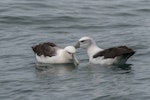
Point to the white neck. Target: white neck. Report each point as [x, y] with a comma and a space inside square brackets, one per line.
[92, 50]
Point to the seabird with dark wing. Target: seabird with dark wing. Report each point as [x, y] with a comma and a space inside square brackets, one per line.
[51, 53]
[114, 55]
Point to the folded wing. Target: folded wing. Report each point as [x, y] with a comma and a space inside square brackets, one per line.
[114, 52]
[46, 49]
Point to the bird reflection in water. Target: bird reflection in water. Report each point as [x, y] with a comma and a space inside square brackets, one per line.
[125, 68]
[52, 70]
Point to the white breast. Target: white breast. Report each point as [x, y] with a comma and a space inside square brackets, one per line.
[102, 61]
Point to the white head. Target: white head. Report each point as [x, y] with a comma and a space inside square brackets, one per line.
[85, 42]
[70, 49]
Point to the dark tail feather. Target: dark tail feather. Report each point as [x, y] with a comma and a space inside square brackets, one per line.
[33, 48]
[123, 59]
[128, 55]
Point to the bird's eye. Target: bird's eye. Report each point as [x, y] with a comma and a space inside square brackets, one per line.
[82, 41]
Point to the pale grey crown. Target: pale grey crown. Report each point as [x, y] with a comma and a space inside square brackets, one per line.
[86, 42]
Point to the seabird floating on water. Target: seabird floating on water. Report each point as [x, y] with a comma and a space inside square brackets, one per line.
[51, 53]
[114, 55]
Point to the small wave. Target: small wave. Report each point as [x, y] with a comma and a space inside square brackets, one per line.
[32, 5]
[122, 96]
[143, 10]
[123, 14]
[69, 18]
[15, 20]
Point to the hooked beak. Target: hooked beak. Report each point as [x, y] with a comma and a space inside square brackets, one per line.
[75, 60]
[77, 45]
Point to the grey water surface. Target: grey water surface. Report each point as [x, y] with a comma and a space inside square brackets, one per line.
[24, 23]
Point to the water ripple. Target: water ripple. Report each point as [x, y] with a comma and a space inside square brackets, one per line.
[24, 23]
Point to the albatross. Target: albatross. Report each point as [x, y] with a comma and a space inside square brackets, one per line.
[114, 55]
[51, 53]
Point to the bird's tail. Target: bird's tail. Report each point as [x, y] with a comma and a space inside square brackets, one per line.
[123, 59]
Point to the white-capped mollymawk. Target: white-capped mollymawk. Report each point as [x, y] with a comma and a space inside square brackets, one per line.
[114, 55]
[53, 54]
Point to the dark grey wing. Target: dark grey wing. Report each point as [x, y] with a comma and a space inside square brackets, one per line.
[128, 52]
[46, 49]
[114, 52]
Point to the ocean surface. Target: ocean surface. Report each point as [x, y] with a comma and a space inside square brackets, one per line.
[24, 23]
